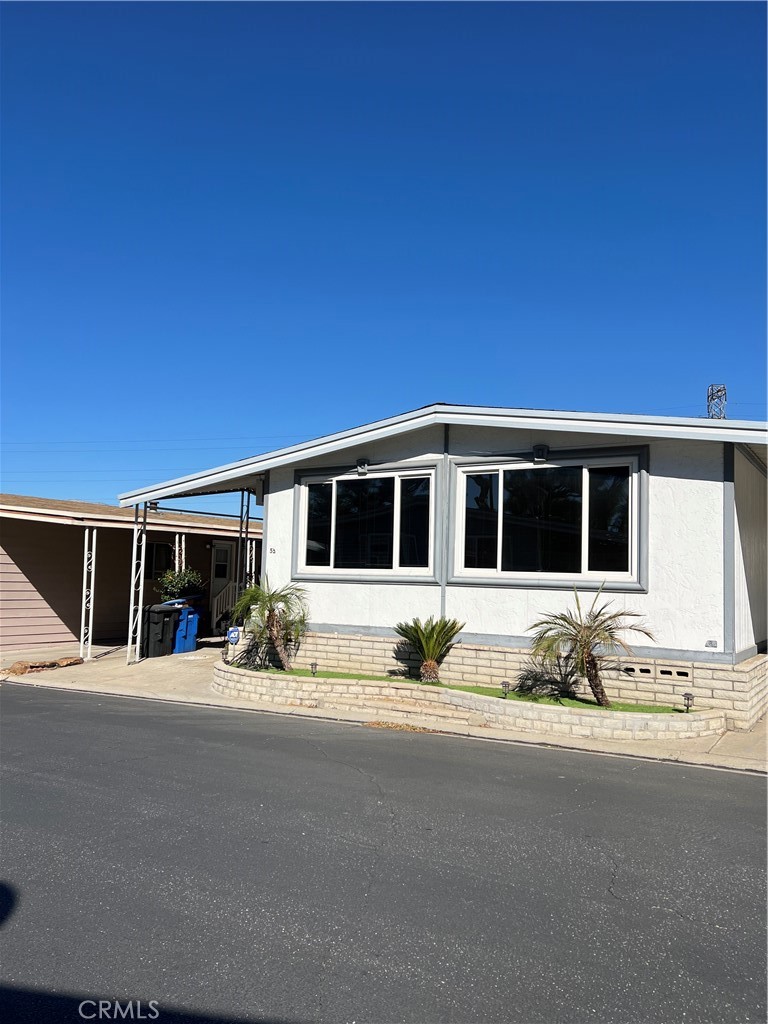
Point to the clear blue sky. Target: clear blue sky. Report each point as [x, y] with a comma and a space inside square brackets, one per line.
[229, 227]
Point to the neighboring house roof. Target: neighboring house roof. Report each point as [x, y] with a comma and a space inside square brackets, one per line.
[66, 512]
[247, 473]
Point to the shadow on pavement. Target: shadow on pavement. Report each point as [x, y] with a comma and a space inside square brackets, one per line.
[8, 901]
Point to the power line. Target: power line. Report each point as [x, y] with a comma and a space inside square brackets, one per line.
[153, 440]
[118, 451]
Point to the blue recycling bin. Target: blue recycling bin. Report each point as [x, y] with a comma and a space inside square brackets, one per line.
[185, 639]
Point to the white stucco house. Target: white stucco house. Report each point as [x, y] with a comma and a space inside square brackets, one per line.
[493, 516]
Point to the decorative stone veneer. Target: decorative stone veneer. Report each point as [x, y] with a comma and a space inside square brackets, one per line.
[386, 699]
[740, 691]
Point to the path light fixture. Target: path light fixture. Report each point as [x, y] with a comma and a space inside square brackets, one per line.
[688, 698]
[506, 687]
[313, 668]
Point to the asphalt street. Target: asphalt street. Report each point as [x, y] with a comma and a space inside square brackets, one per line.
[247, 867]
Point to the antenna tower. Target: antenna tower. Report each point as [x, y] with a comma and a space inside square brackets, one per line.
[716, 396]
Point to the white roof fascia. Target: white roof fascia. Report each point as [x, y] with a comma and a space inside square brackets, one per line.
[674, 428]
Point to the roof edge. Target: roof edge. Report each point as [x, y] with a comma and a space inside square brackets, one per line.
[681, 428]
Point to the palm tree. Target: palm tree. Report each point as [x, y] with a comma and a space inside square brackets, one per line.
[276, 616]
[581, 636]
[431, 640]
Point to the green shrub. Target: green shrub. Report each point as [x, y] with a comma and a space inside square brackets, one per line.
[277, 617]
[180, 583]
[431, 640]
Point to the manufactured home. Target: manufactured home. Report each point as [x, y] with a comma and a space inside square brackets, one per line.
[494, 516]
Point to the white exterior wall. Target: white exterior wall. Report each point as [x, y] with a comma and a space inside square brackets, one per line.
[750, 555]
[684, 602]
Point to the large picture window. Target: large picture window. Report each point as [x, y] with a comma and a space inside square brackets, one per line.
[572, 519]
[369, 523]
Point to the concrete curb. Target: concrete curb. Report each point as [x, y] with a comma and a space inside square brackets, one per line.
[691, 759]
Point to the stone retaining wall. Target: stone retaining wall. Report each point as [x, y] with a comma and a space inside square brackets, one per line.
[542, 719]
[740, 691]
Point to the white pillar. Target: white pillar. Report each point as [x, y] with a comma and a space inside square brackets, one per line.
[138, 557]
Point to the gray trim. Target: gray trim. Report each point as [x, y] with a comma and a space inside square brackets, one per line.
[750, 652]
[580, 583]
[729, 544]
[308, 577]
[643, 518]
[593, 452]
[523, 643]
[345, 630]
[429, 462]
[639, 585]
[265, 527]
[444, 517]
[750, 456]
[295, 528]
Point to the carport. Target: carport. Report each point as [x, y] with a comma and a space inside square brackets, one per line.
[238, 479]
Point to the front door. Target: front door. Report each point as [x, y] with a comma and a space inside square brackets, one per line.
[222, 568]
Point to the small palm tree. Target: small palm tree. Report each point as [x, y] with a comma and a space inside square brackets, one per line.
[581, 636]
[276, 616]
[431, 640]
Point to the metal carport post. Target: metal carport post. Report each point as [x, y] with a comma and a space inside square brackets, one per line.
[138, 558]
[89, 590]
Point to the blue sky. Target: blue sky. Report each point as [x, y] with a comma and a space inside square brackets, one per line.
[229, 227]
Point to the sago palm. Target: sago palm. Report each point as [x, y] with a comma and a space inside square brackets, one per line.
[583, 637]
[276, 616]
[431, 640]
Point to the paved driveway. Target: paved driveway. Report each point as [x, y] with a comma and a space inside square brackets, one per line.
[255, 868]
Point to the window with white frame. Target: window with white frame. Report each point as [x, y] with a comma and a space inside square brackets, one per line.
[370, 523]
[564, 519]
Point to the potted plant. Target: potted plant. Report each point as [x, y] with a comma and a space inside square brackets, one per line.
[181, 584]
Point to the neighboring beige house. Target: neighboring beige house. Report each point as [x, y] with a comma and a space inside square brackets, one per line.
[45, 541]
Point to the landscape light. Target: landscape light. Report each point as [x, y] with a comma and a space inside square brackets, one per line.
[506, 687]
[688, 698]
[313, 668]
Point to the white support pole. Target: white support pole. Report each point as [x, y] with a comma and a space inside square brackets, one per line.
[142, 540]
[183, 551]
[89, 590]
[177, 553]
[251, 572]
[83, 606]
[239, 564]
[93, 594]
[132, 604]
[138, 556]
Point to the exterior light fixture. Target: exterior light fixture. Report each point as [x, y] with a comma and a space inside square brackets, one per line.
[688, 698]
[506, 687]
[362, 467]
[313, 668]
[540, 452]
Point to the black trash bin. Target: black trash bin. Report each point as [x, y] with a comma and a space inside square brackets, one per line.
[158, 630]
